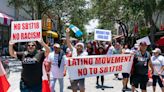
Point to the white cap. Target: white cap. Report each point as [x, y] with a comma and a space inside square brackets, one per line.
[57, 45]
[127, 51]
[157, 50]
[80, 43]
[68, 50]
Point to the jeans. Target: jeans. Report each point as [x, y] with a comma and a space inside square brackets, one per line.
[25, 88]
[61, 83]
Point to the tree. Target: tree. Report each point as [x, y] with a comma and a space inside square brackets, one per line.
[35, 8]
[127, 12]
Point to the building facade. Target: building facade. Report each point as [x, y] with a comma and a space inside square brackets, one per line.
[7, 15]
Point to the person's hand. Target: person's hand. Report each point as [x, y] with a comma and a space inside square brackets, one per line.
[67, 30]
[41, 40]
[159, 73]
[64, 73]
[11, 43]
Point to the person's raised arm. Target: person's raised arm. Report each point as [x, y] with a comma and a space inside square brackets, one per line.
[12, 52]
[95, 47]
[68, 39]
[47, 48]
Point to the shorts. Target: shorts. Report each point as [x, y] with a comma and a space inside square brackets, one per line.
[141, 80]
[25, 88]
[125, 75]
[81, 82]
[156, 79]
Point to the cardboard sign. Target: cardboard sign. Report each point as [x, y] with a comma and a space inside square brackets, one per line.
[102, 35]
[24, 31]
[88, 66]
[144, 39]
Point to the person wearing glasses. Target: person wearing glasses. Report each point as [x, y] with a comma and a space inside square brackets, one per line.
[32, 60]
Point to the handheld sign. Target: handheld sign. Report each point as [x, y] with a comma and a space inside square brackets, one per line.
[102, 35]
[24, 31]
[76, 30]
[144, 39]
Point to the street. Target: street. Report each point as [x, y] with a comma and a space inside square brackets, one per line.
[90, 83]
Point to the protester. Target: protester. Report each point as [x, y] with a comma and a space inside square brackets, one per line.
[125, 75]
[135, 48]
[117, 50]
[90, 49]
[32, 60]
[78, 50]
[139, 74]
[158, 65]
[100, 50]
[63, 45]
[57, 71]
[68, 52]
[111, 48]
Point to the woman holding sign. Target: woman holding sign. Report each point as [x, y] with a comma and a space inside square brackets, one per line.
[100, 50]
[32, 60]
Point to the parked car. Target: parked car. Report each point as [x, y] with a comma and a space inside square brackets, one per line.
[5, 63]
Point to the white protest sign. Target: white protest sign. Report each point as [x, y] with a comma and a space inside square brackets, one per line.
[24, 31]
[103, 35]
[88, 66]
[144, 39]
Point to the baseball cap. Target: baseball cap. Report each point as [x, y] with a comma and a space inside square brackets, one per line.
[157, 50]
[80, 43]
[68, 50]
[56, 45]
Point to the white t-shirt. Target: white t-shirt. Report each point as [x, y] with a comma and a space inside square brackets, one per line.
[157, 62]
[55, 71]
[74, 52]
[110, 50]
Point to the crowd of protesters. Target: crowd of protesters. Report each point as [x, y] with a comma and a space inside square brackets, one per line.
[32, 60]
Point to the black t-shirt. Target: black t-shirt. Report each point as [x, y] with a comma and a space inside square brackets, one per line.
[141, 63]
[32, 67]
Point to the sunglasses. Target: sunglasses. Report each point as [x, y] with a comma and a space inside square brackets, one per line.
[31, 45]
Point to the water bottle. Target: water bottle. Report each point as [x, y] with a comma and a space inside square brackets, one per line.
[76, 30]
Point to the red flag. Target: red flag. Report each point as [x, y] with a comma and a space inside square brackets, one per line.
[4, 84]
[45, 82]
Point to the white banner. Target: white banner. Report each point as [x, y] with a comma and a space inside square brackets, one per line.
[24, 31]
[103, 35]
[88, 66]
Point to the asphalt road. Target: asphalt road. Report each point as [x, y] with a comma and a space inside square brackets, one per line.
[90, 83]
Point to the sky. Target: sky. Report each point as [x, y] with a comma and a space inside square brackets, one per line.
[91, 25]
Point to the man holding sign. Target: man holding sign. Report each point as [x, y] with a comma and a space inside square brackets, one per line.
[78, 50]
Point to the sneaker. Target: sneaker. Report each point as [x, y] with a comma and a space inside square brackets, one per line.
[123, 89]
[120, 78]
[128, 89]
[97, 83]
[102, 87]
